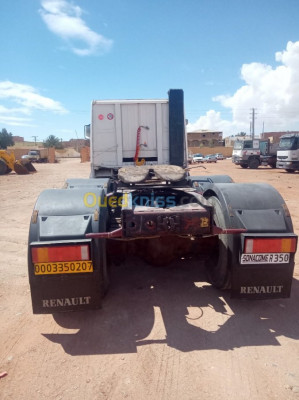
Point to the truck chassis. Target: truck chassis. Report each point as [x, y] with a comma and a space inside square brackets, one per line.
[250, 241]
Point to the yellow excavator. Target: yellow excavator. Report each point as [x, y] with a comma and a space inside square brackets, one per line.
[9, 163]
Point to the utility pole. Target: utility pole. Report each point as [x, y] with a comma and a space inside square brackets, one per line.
[252, 122]
[35, 137]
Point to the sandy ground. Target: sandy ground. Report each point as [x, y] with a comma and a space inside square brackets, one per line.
[158, 336]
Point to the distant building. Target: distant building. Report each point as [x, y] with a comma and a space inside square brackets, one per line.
[77, 144]
[203, 138]
[18, 139]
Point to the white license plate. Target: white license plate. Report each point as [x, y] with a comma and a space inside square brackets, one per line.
[265, 258]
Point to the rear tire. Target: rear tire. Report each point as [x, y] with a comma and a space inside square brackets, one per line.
[218, 271]
[254, 163]
[244, 166]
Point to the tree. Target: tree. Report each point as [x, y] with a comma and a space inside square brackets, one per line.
[6, 139]
[53, 141]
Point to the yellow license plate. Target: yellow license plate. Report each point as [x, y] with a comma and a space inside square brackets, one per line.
[66, 267]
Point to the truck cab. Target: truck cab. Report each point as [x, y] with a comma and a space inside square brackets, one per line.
[288, 152]
[33, 155]
[136, 132]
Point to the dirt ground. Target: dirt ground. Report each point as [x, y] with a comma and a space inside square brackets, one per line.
[158, 336]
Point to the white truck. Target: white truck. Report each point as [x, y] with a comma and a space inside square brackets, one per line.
[37, 155]
[255, 152]
[141, 200]
[288, 152]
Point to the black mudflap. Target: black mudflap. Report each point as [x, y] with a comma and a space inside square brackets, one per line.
[262, 281]
[64, 292]
[52, 294]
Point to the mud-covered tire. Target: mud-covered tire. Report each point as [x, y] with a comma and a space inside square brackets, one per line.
[217, 267]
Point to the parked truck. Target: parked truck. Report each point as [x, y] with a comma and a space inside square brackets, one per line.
[255, 152]
[37, 155]
[288, 152]
[140, 199]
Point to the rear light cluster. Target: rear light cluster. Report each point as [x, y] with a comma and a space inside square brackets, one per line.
[42, 254]
[270, 245]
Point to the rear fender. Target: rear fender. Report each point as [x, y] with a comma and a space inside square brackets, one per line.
[62, 218]
[257, 207]
[261, 210]
[61, 214]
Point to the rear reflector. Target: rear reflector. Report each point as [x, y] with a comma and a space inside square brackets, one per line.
[60, 253]
[270, 245]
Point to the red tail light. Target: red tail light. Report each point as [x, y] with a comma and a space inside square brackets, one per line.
[270, 245]
[60, 253]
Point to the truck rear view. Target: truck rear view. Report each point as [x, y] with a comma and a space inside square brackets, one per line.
[141, 200]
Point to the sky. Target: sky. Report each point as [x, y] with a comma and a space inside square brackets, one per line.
[229, 57]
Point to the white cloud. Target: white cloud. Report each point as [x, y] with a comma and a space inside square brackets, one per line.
[273, 92]
[29, 100]
[16, 121]
[16, 110]
[212, 120]
[64, 19]
[28, 97]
